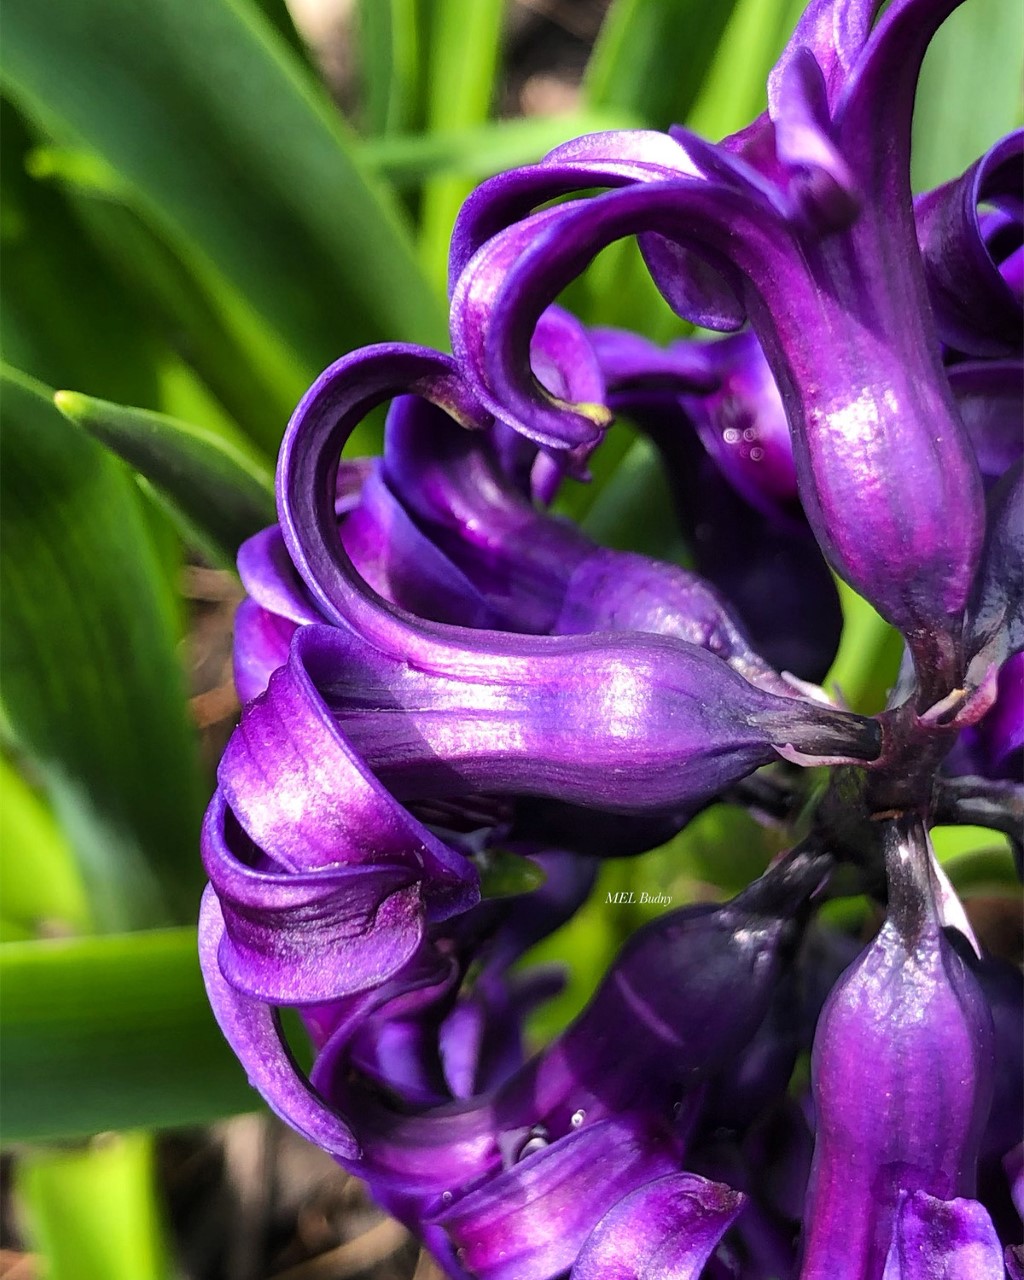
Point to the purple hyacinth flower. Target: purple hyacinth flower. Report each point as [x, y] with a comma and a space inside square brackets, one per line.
[902, 1076]
[808, 220]
[439, 670]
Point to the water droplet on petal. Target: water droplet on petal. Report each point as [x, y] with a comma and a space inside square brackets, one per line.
[577, 1118]
[446, 1197]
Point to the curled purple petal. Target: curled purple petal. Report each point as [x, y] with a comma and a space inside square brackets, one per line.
[976, 309]
[251, 1029]
[531, 1221]
[305, 937]
[668, 1227]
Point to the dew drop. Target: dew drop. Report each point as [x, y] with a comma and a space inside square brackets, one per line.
[537, 1140]
[577, 1118]
[731, 436]
[446, 1197]
[756, 454]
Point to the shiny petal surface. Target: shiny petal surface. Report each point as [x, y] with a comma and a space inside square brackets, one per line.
[530, 1223]
[902, 1077]
[943, 1240]
[667, 1228]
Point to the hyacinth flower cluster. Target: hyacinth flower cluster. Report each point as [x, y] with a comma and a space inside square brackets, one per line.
[438, 671]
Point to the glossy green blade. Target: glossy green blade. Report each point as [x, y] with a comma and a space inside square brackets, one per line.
[111, 1033]
[93, 1212]
[92, 687]
[652, 55]
[219, 491]
[225, 144]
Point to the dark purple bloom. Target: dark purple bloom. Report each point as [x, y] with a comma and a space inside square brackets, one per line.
[440, 672]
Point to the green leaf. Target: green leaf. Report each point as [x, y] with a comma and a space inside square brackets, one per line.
[92, 687]
[63, 317]
[39, 881]
[735, 89]
[219, 491]
[93, 1212]
[194, 319]
[504, 874]
[391, 64]
[979, 47]
[651, 57]
[233, 153]
[464, 42]
[868, 661]
[407, 160]
[111, 1033]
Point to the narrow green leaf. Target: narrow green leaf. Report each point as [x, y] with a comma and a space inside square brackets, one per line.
[111, 1033]
[735, 89]
[219, 491]
[868, 661]
[63, 317]
[40, 884]
[651, 57]
[464, 43]
[391, 63]
[407, 160]
[235, 156]
[92, 687]
[93, 1212]
[196, 318]
[981, 44]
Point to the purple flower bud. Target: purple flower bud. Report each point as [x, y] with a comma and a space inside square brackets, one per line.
[902, 1077]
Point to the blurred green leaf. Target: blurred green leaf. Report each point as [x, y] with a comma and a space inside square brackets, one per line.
[111, 1033]
[652, 55]
[464, 41]
[480, 152]
[39, 881]
[233, 153]
[63, 317]
[391, 65]
[633, 510]
[220, 493]
[195, 320]
[868, 661]
[93, 1212]
[504, 874]
[92, 686]
[735, 88]
[974, 59]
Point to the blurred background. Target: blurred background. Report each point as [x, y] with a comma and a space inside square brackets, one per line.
[202, 206]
